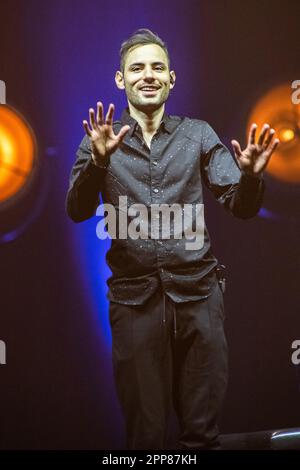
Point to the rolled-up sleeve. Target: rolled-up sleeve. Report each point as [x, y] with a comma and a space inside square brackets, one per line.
[241, 194]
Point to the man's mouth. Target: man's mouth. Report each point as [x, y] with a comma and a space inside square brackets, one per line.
[149, 90]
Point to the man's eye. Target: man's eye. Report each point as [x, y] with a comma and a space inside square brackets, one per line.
[135, 69]
[158, 68]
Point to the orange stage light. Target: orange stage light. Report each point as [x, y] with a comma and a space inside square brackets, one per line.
[277, 109]
[17, 153]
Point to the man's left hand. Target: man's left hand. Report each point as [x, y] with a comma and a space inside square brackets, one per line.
[255, 157]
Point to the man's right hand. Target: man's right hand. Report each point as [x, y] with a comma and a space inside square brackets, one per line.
[102, 137]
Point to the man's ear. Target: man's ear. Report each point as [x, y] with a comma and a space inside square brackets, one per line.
[172, 79]
[119, 79]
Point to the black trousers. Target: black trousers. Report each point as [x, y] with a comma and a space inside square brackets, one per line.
[170, 354]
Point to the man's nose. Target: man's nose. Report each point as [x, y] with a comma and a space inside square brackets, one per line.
[148, 73]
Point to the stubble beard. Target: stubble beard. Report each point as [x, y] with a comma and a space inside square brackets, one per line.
[146, 104]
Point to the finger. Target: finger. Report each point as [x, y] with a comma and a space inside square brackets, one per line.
[263, 134]
[273, 147]
[99, 117]
[86, 128]
[109, 115]
[122, 133]
[251, 139]
[268, 154]
[269, 138]
[92, 118]
[236, 147]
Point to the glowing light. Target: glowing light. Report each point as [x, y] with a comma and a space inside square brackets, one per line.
[286, 135]
[17, 152]
[277, 109]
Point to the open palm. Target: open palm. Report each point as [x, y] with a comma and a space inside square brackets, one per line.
[102, 137]
[255, 157]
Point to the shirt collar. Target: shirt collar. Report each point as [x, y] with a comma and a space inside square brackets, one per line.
[167, 122]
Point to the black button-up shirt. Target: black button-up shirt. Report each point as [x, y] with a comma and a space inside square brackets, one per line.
[184, 153]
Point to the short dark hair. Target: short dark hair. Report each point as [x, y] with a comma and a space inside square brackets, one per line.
[141, 37]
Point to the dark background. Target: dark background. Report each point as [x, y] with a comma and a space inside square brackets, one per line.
[58, 59]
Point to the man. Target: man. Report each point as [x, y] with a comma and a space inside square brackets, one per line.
[166, 304]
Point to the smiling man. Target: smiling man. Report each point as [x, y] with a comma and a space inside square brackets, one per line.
[166, 302]
[147, 80]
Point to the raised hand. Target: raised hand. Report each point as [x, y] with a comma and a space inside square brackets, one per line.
[255, 157]
[102, 137]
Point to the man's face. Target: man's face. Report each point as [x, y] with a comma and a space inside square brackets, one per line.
[147, 79]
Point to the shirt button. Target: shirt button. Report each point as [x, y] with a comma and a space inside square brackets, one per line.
[155, 190]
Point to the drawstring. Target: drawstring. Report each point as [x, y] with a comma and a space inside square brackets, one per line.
[164, 308]
[174, 319]
[174, 315]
